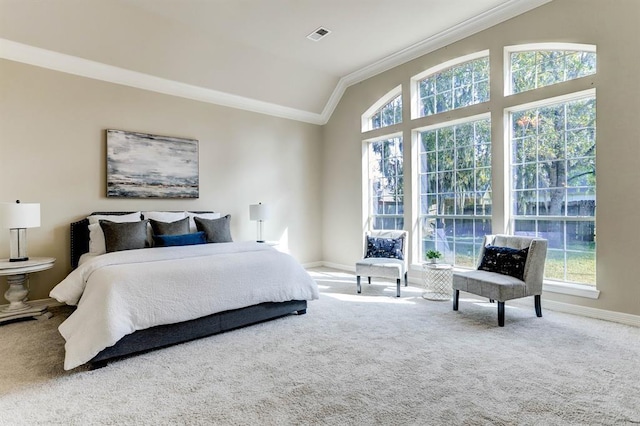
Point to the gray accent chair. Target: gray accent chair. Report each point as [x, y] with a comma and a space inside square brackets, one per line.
[499, 287]
[384, 267]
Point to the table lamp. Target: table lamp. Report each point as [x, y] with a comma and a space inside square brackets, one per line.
[18, 217]
[260, 213]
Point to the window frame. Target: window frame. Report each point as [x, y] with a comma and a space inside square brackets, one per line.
[368, 215]
[508, 176]
[366, 118]
[508, 50]
[414, 82]
[416, 184]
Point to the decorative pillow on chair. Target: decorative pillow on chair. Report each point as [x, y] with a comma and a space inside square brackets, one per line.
[504, 260]
[179, 227]
[385, 247]
[179, 240]
[215, 230]
[125, 235]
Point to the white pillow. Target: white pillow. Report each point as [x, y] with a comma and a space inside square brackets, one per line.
[192, 223]
[166, 217]
[96, 236]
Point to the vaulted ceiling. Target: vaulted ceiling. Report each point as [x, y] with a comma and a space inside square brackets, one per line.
[250, 54]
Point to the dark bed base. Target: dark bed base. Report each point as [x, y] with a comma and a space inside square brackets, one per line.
[171, 334]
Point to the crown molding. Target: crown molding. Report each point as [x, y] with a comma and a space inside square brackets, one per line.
[44, 58]
[31, 55]
[465, 29]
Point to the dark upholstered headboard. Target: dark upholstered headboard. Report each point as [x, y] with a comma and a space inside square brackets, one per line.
[80, 235]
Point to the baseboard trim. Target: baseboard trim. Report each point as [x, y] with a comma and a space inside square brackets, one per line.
[596, 313]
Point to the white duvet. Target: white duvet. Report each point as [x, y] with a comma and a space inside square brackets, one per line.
[121, 292]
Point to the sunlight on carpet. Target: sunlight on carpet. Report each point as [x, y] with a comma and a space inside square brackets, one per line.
[353, 359]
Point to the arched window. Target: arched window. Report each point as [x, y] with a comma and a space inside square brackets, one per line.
[451, 85]
[539, 65]
[387, 111]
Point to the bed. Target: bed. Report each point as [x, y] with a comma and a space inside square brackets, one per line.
[134, 301]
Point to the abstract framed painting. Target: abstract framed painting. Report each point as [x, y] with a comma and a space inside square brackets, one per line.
[140, 165]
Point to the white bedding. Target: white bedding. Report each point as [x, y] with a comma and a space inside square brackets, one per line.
[121, 292]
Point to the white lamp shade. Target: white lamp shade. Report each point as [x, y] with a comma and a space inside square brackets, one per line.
[258, 212]
[19, 215]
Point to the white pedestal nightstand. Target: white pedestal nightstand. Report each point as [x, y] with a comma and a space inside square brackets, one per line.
[16, 273]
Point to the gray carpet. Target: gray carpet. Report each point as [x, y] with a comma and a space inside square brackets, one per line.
[352, 359]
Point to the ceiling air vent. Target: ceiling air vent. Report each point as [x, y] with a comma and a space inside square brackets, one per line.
[318, 34]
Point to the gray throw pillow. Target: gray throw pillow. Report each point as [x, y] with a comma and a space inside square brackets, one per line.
[215, 230]
[124, 236]
[179, 227]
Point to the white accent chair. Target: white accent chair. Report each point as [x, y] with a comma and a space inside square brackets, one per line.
[501, 287]
[383, 267]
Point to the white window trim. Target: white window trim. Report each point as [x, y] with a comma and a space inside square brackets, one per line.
[388, 97]
[544, 102]
[415, 80]
[508, 50]
[573, 289]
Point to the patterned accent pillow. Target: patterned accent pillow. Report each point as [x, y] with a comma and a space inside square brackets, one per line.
[385, 247]
[504, 260]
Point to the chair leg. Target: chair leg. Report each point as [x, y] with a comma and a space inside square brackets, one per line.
[538, 306]
[398, 287]
[369, 280]
[491, 301]
[358, 284]
[406, 280]
[501, 314]
[456, 294]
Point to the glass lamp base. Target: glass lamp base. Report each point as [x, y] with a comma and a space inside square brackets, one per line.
[18, 245]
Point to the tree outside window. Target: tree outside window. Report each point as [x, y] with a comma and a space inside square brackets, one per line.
[386, 184]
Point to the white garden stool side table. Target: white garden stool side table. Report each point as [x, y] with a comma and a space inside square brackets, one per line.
[437, 278]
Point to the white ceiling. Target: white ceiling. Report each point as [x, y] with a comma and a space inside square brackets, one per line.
[251, 54]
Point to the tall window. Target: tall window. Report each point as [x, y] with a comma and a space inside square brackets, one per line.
[386, 183]
[553, 187]
[461, 85]
[553, 157]
[455, 189]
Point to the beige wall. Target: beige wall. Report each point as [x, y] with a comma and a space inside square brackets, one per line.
[613, 27]
[53, 148]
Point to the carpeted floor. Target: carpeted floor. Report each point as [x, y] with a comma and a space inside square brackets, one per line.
[351, 360]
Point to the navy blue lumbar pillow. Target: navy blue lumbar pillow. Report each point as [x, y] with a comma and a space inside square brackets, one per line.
[504, 260]
[384, 247]
[179, 240]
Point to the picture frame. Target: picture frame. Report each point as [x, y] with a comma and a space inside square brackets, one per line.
[142, 165]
